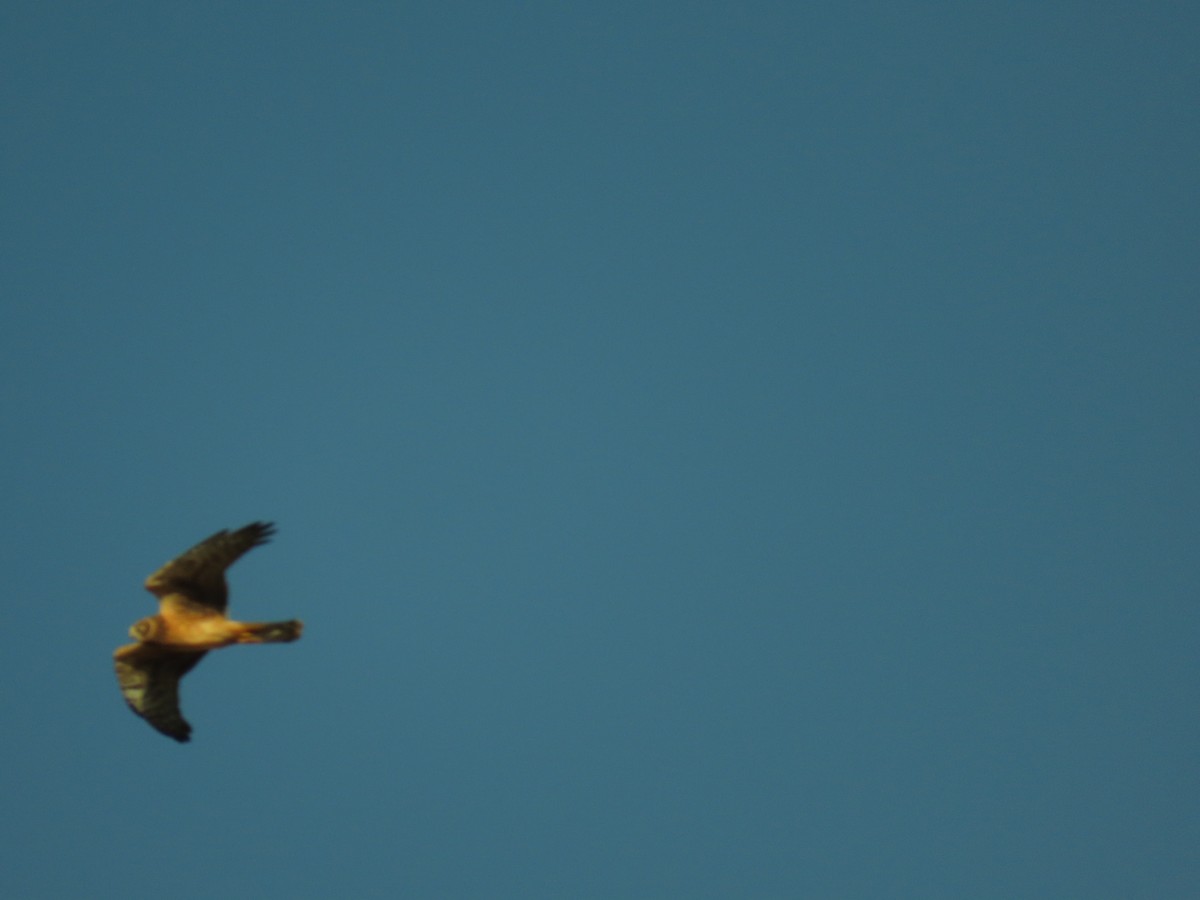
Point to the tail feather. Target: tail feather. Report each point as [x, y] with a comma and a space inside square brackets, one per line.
[271, 632]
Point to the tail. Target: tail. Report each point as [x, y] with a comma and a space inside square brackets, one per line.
[270, 632]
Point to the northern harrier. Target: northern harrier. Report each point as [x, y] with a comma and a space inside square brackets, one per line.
[192, 597]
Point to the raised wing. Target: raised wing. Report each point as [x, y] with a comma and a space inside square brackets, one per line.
[149, 678]
[198, 576]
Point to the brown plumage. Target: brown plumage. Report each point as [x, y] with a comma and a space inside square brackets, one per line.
[192, 599]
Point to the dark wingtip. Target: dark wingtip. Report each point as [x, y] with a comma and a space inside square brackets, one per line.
[181, 733]
[263, 531]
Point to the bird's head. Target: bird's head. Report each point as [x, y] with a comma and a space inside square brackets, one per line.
[147, 629]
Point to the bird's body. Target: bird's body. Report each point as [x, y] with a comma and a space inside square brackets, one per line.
[191, 621]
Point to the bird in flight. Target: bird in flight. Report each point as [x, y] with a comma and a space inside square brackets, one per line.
[192, 598]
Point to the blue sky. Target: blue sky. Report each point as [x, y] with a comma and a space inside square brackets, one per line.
[719, 450]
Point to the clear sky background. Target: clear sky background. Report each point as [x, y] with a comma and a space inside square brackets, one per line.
[719, 449]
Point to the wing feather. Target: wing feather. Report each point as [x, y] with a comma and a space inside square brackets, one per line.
[198, 576]
[149, 677]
